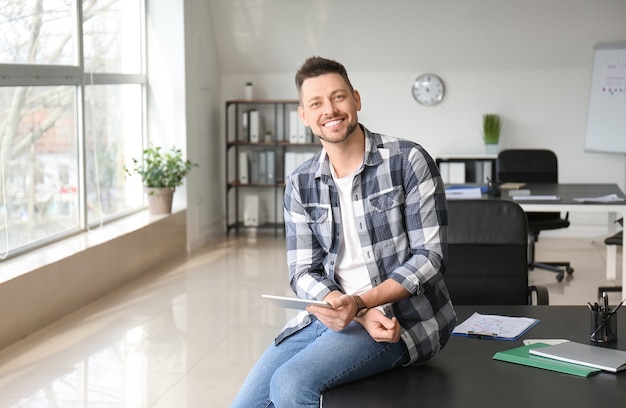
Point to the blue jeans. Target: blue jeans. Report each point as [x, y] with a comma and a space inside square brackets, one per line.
[297, 371]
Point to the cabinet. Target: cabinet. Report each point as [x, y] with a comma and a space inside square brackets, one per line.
[265, 141]
[461, 169]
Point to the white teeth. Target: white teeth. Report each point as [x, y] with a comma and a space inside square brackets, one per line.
[333, 123]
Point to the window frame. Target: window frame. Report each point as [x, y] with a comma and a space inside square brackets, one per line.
[36, 75]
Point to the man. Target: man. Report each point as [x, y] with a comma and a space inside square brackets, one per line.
[366, 232]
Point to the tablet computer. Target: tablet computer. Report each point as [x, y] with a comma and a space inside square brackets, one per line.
[294, 303]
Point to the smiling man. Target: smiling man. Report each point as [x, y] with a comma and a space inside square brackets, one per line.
[366, 225]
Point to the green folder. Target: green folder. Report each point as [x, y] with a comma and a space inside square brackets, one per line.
[520, 355]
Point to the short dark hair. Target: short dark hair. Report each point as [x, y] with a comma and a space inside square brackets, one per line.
[316, 66]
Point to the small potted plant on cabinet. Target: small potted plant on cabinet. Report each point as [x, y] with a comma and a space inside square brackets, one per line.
[161, 172]
[491, 132]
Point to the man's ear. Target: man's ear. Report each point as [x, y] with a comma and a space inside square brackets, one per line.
[301, 114]
[357, 98]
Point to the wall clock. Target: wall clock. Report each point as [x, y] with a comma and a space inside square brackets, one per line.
[428, 89]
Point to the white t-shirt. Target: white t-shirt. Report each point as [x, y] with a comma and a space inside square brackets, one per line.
[350, 270]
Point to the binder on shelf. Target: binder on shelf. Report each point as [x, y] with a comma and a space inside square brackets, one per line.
[479, 176]
[252, 211]
[301, 132]
[302, 157]
[270, 162]
[245, 129]
[522, 355]
[290, 163]
[294, 120]
[456, 173]
[487, 171]
[262, 162]
[254, 168]
[254, 124]
[244, 175]
[309, 135]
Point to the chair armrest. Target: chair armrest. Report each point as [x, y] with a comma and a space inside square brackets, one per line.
[541, 294]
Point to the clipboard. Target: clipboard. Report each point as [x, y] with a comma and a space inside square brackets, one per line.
[494, 327]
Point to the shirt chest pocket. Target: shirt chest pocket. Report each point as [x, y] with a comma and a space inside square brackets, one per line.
[387, 200]
[320, 221]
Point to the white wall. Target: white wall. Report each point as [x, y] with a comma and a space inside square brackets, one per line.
[543, 103]
[554, 119]
[531, 67]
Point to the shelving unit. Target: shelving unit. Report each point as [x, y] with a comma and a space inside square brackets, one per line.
[461, 169]
[254, 189]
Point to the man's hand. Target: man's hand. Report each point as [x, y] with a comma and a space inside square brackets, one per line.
[342, 313]
[380, 327]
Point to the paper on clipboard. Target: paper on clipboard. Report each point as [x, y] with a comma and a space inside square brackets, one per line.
[494, 326]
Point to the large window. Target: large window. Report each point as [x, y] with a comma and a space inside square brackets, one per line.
[72, 113]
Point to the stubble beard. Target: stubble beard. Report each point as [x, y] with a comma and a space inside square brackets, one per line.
[342, 138]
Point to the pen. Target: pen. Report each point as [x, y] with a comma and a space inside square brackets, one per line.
[617, 307]
[607, 318]
[482, 335]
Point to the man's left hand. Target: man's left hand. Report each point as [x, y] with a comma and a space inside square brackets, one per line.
[339, 316]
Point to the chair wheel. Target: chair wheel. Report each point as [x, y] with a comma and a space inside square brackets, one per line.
[569, 270]
[560, 276]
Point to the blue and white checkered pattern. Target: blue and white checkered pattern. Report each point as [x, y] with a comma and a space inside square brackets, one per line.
[400, 205]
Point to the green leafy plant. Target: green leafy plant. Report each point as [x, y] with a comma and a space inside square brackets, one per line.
[491, 128]
[160, 168]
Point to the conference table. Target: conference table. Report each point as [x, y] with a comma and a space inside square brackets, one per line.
[569, 195]
[465, 375]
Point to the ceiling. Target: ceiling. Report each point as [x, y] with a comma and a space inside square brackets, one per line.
[273, 36]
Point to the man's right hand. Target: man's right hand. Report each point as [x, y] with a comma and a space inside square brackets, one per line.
[380, 327]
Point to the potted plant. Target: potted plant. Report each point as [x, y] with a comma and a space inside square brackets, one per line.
[161, 172]
[491, 132]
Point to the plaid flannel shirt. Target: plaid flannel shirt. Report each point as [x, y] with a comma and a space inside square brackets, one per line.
[399, 202]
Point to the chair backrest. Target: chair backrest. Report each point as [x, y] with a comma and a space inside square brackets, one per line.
[527, 165]
[487, 253]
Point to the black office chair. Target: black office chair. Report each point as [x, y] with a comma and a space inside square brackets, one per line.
[535, 166]
[487, 254]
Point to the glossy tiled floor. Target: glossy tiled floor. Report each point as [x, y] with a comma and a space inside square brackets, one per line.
[186, 335]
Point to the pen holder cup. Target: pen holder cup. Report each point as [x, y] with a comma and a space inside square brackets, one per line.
[603, 327]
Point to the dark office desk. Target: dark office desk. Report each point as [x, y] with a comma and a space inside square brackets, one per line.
[464, 374]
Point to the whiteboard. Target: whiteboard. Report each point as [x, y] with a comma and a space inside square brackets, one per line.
[606, 121]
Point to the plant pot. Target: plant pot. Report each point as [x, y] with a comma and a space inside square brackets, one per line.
[159, 199]
[491, 148]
